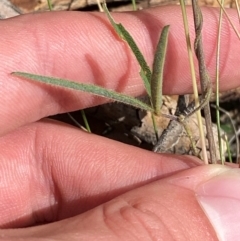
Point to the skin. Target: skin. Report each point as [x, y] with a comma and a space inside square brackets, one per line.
[86, 187]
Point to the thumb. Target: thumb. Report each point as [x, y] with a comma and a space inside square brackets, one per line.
[197, 204]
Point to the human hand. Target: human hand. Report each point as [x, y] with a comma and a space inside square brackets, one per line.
[53, 173]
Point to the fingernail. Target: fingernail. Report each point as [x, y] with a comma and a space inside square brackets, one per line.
[219, 198]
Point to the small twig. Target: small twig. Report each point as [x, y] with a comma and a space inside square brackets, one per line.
[204, 77]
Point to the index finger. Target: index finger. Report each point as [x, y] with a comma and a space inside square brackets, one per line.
[83, 47]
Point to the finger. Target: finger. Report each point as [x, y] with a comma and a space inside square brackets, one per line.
[196, 204]
[50, 172]
[83, 47]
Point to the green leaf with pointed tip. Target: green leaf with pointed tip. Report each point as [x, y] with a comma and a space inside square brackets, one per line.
[89, 88]
[157, 72]
[124, 34]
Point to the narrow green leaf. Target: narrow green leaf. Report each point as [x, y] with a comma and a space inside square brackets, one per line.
[89, 88]
[145, 82]
[157, 72]
[124, 34]
[114, 24]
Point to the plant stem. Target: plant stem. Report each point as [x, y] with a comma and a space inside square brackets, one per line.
[204, 78]
[85, 121]
[193, 75]
[50, 5]
[134, 5]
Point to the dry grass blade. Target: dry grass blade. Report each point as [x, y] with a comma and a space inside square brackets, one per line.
[217, 84]
[230, 21]
[237, 5]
